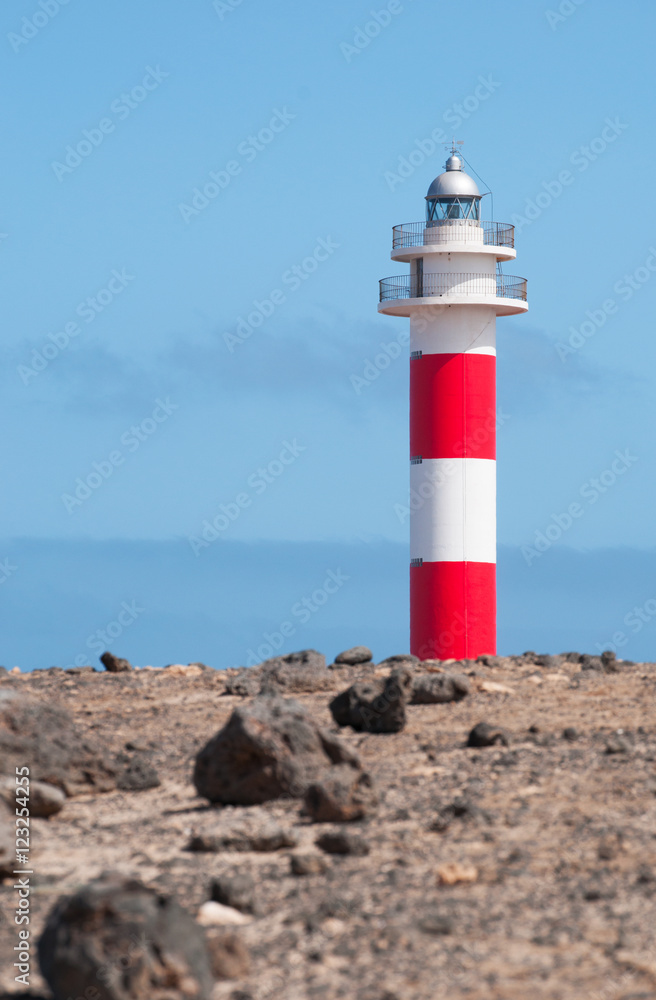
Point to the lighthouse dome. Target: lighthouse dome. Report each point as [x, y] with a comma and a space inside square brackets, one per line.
[454, 181]
[453, 195]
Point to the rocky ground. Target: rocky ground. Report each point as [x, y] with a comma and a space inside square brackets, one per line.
[524, 867]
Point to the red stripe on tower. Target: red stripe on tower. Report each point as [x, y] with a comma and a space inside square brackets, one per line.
[453, 406]
[453, 609]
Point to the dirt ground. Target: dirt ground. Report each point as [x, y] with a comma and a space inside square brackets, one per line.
[540, 883]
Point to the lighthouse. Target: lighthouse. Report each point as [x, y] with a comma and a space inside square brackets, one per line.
[452, 295]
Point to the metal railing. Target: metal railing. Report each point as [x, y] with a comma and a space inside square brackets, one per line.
[420, 234]
[406, 286]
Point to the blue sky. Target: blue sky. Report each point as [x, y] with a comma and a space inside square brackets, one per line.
[312, 127]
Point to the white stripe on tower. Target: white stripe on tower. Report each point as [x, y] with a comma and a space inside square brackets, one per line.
[454, 516]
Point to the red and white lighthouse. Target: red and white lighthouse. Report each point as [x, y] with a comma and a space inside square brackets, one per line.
[453, 294]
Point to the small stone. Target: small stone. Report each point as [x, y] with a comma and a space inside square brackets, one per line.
[609, 662]
[590, 662]
[399, 660]
[439, 689]
[213, 914]
[43, 800]
[351, 657]
[571, 734]
[245, 683]
[114, 664]
[256, 833]
[484, 735]
[452, 874]
[343, 842]
[489, 661]
[617, 744]
[306, 863]
[237, 891]
[138, 776]
[183, 670]
[342, 795]
[437, 924]
[294, 673]
[228, 954]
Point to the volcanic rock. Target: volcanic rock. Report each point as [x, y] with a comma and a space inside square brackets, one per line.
[138, 776]
[237, 890]
[484, 735]
[255, 831]
[343, 842]
[43, 800]
[268, 749]
[43, 735]
[307, 863]
[135, 943]
[437, 689]
[341, 796]
[376, 705]
[114, 664]
[351, 657]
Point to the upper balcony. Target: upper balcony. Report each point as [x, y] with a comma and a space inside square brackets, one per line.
[447, 235]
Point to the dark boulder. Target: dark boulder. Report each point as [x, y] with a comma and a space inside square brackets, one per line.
[43, 735]
[268, 749]
[131, 941]
[374, 706]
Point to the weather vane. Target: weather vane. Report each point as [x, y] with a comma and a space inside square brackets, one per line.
[454, 145]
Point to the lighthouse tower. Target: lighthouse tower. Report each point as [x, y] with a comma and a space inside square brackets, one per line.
[453, 294]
